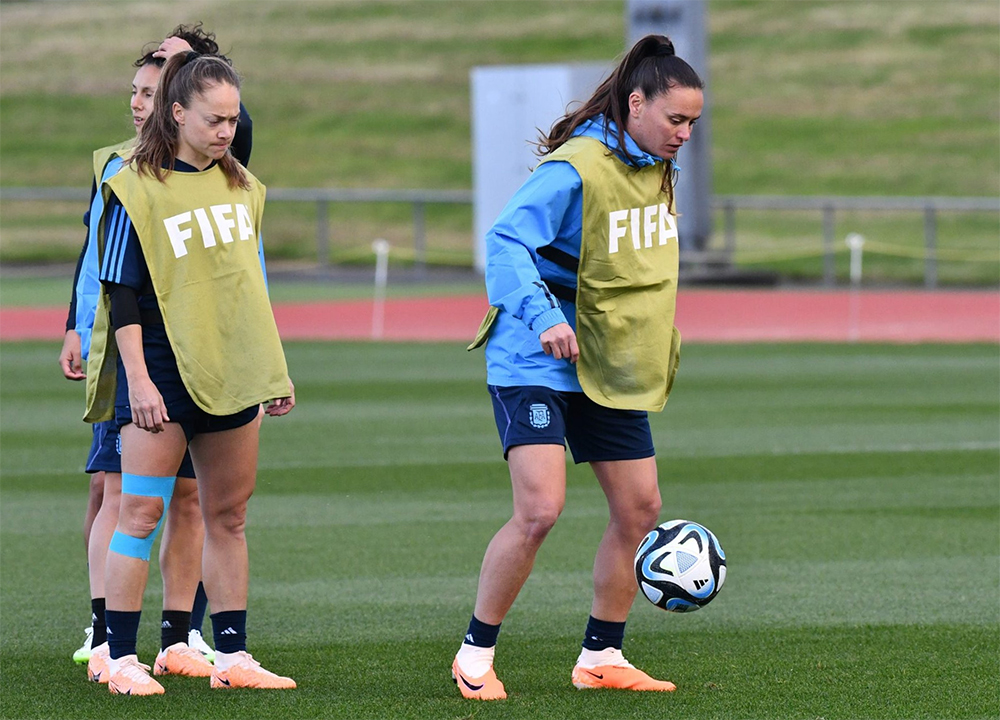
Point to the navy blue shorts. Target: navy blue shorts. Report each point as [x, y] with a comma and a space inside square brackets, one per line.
[106, 451]
[181, 408]
[534, 415]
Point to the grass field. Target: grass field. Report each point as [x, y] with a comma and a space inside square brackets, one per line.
[854, 489]
[810, 97]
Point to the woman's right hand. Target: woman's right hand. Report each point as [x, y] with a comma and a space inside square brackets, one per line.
[559, 341]
[148, 410]
[70, 357]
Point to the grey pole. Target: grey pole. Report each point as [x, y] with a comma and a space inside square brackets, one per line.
[930, 242]
[829, 261]
[419, 240]
[684, 22]
[323, 233]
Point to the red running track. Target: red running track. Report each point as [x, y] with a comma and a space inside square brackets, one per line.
[702, 316]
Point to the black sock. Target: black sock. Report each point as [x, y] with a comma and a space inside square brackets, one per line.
[602, 634]
[123, 627]
[97, 622]
[174, 628]
[481, 635]
[199, 608]
[229, 628]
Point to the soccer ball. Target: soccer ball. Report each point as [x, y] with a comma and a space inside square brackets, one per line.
[680, 566]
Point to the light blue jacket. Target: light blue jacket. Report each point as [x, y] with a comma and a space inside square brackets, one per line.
[547, 211]
[88, 285]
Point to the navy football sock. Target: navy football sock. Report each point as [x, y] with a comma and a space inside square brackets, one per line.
[602, 634]
[229, 628]
[199, 608]
[123, 627]
[98, 622]
[174, 628]
[481, 635]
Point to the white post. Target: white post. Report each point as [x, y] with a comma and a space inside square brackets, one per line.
[856, 244]
[381, 249]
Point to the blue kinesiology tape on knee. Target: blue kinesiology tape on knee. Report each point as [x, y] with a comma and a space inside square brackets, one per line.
[149, 486]
[144, 486]
[139, 548]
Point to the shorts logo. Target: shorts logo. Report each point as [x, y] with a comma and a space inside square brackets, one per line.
[118, 444]
[539, 415]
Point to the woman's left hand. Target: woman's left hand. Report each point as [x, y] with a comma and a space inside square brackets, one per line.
[282, 406]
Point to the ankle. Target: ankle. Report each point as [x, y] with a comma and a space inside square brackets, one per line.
[597, 658]
[475, 661]
[224, 660]
[114, 664]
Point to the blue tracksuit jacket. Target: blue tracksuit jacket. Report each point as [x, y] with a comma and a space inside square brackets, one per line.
[544, 217]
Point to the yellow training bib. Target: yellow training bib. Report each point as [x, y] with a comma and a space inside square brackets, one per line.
[627, 280]
[200, 241]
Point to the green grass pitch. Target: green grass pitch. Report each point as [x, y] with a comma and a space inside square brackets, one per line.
[854, 488]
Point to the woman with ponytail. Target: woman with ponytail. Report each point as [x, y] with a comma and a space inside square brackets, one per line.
[184, 651]
[184, 351]
[580, 344]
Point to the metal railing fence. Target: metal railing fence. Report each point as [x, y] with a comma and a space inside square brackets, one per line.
[828, 206]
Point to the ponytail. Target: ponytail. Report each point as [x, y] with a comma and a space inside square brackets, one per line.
[652, 67]
[184, 76]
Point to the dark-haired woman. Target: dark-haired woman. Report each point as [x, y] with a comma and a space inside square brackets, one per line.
[191, 353]
[582, 277]
[183, 650]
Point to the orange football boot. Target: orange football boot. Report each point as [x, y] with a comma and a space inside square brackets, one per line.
[247, 673]
[487, 687]
[132, 678]
[620, 677]
[97, 666]
[179, 659]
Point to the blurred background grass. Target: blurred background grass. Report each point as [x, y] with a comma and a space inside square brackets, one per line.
[880, 98]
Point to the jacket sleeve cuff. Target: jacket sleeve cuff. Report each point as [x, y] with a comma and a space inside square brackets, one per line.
[547, 319]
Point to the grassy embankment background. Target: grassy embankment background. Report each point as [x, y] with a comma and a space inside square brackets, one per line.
[881, 98]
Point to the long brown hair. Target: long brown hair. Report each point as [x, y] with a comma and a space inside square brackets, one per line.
[184, 76]
[650, 67]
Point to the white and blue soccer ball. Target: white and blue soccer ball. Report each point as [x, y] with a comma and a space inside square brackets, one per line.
[680, 566]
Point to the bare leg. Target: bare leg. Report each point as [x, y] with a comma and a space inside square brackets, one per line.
[538, 479]
[634, 505]
[102, 530]
[95, 496]
[181, 547]
[143, 453]
[226, 465]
